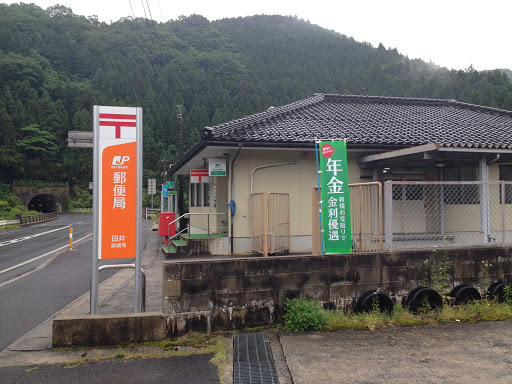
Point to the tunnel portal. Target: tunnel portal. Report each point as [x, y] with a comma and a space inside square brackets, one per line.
[45, 203]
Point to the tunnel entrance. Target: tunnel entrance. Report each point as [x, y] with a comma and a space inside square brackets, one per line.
[45, 203]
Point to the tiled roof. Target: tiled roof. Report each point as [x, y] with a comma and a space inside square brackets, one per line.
[372, 120]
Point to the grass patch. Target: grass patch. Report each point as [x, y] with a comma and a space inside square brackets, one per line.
[119, 354]
[193, 343]
[192, 339]
[482, 310]
[197, 343]
[371, 321]
[9, 226]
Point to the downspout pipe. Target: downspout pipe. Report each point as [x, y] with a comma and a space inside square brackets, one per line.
[494, 160]
[232, 202]
[268, 166]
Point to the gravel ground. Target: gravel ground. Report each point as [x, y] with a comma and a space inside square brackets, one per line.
[453, 353]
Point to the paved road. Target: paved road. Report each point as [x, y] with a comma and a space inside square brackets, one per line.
[28, 300]
[31, 360]
[178, 369]
[38, 243]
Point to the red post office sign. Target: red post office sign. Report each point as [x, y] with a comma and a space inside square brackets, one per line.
[118, 166]
[199, 176]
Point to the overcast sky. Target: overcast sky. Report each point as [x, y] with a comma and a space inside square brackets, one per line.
[451, 33]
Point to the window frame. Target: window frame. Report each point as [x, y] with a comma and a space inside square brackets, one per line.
[206, 194]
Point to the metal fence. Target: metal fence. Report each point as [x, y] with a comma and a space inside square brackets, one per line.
[270, 222]
[425, 214]
[366, 216]
[31, 219]
[8, 222]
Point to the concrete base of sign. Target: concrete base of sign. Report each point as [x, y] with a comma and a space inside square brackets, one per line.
[103, 330]
[108, 329]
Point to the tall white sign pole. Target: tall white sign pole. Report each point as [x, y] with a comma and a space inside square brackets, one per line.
[138, 259]
[117, 197]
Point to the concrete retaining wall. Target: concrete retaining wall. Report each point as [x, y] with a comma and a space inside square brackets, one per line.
[237, 293]
[234, 293]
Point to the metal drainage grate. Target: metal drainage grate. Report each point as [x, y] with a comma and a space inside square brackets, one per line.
[252, 360]
[255, 373]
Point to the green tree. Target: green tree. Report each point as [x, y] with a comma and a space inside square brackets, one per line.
[39, 149]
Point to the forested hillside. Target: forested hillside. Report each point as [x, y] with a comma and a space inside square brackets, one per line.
[55, 65]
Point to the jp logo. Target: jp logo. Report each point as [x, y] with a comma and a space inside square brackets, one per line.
[120, 160]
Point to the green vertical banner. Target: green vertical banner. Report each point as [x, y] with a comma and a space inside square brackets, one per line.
[337, 233]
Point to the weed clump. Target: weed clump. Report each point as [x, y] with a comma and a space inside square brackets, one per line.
[304, 315]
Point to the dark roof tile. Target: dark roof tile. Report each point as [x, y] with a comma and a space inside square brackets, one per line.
[373, 120]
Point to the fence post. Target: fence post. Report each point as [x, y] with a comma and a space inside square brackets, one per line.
[360, 198]
[380, 215]
[441, 204]
[484, 199]
[502, 185]
[264, 205]
[388, 208]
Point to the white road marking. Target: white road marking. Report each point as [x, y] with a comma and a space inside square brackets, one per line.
[39, 257]
[13, 241]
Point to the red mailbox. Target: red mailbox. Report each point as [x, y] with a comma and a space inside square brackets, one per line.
[164, 219]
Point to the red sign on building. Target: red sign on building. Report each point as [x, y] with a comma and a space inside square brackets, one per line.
[199, 176]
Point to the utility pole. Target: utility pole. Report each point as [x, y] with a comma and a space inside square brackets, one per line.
[180, 132]
[164, 179]
[164, 173]
[181, 202]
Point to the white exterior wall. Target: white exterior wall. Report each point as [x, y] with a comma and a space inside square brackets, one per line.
[296, 179]
[471, 212]
[218, 223]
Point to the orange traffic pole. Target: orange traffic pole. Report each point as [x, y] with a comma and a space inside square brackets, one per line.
[71, 237]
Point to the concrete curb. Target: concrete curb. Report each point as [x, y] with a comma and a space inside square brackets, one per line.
[283, 371]
[228, 364]
[107, 330]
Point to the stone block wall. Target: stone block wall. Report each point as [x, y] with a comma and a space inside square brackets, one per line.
[236, 293]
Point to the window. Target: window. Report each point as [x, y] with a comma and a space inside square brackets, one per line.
[461, 194]
[414, 192]
[206, 195]
[506, 175]
[198, 195]
[408, 191]
[397, 192]
[192, 195]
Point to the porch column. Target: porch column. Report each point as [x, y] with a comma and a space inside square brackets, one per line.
[484, 200]
[441, 202]
[376, 210]
[388, 216]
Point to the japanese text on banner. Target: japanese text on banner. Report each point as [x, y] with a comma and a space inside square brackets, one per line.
[335, 197]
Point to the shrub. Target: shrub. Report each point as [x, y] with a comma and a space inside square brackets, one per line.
[304, 315]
